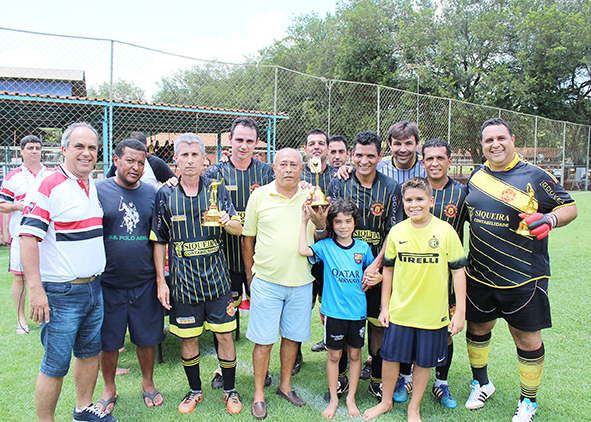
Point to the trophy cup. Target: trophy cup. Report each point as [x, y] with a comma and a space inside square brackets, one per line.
[318, 197]
[212, 216]
[531, 208]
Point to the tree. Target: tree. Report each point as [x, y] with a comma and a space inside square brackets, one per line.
[122, 90]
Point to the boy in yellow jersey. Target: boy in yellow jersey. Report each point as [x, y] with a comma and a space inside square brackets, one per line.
[424, 249]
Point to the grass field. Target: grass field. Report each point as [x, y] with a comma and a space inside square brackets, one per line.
[563, 395]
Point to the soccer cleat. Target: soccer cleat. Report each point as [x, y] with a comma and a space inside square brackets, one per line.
[479, 394]
[342, 388]
[297, 365]
[232, 401]
[92, 414]
[525, 411]
[218, 379]
[444, 396]
[319, 347]
[190, 401]
[366, 370]
[402, 390]
[268, 380]
[375, 389]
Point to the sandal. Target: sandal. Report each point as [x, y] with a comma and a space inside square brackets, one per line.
[106, 403]
[22, 330]
[152, 396]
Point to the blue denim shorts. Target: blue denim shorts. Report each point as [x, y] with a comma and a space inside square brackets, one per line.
[274, 307]
[75, 320]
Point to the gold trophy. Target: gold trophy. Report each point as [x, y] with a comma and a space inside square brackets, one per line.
[212, 216]
[318, 197]
[531, 208]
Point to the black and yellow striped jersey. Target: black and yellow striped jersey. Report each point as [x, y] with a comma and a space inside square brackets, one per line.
[380, 206]
[450, 205]
[498, 255]
[198, 268]
[240, 184]
[324, 178]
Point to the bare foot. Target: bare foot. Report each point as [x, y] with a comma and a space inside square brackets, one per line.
[352, 408]
[376, 411]
[414, 416]
[331, 409]
[121, 371]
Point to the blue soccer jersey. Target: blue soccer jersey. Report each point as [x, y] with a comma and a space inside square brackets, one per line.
[342, 297]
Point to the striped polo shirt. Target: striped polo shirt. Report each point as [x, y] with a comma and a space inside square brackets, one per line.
[388, 167]
[15, 186]
[67, 218]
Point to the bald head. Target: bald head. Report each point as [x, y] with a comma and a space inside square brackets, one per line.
[288, 168]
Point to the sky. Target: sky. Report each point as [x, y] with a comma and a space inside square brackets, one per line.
[214, 30]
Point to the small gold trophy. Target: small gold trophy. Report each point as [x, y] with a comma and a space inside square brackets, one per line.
[531, 208]
[318, 197]
[212, 216]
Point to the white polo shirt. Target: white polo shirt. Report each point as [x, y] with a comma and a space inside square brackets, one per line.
[68, 219]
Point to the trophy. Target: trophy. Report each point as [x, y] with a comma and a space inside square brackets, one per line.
[212, 216]
[531, 208]
[318, 197]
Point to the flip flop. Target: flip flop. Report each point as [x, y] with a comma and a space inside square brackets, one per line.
[152, 396]
[106, 403]
[22, 330]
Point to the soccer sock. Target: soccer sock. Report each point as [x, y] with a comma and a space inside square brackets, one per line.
[441, 372]
[229, 373]
[478, 348]
[405, 369]
[531, 365]
[191, 366]
[343, 364]
[376, 367]
[299, 351]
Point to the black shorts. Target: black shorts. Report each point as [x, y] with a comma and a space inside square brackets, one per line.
[451, 297]
[374, 303]
[341, 332]
[239, 285]
[137, 308]
[426, 348]
[526, 307]
[318, 274]
[187, 320]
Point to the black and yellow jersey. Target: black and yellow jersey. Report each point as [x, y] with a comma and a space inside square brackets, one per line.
[198, 268]
[324, 178]
[450, 205]
[498, 256]
[380, 206]
[240, 184]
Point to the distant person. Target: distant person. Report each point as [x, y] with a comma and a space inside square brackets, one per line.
[338, 151]
[420, 252]
[200, 293]
[508, 271]
[62, 254]
[12, 195]
[129, 281]
[206, 164]
[156, 170]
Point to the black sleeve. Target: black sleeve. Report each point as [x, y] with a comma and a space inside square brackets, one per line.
[111, 171]
[160, 169]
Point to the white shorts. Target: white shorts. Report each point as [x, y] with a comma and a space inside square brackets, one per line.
[15, 256]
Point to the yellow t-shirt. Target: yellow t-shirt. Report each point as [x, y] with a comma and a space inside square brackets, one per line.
[422, 259]
[275, 220]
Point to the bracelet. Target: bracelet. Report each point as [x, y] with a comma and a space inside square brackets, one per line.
[320, 231]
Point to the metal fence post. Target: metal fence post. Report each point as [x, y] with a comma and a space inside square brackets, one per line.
[107, 143]
[329, 101]
[536, 140]
[587, 160]
[562, 178]
[449, 122]
[378, 113]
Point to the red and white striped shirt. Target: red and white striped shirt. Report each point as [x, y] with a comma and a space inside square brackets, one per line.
[14, 188]
[68, 219]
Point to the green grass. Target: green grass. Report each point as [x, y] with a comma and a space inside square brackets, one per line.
[563, 395]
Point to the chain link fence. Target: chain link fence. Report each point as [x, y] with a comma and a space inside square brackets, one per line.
[49, 81]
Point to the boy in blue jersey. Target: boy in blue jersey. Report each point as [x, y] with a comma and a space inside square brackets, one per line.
[419, 253]
[343, 300]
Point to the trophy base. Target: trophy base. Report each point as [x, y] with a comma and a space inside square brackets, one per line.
[320, 203]
[212, 218]
[523, 230]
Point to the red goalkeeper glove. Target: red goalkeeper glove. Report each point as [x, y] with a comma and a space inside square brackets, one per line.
[539, 224]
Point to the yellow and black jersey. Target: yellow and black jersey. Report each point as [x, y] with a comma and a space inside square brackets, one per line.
[240, 184]
[380, 206]
[450, 205]
[324, 178]
[198, 268]
[498, 256]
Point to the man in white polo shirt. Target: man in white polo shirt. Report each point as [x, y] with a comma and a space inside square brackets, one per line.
[62, 252]
[280, 279]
